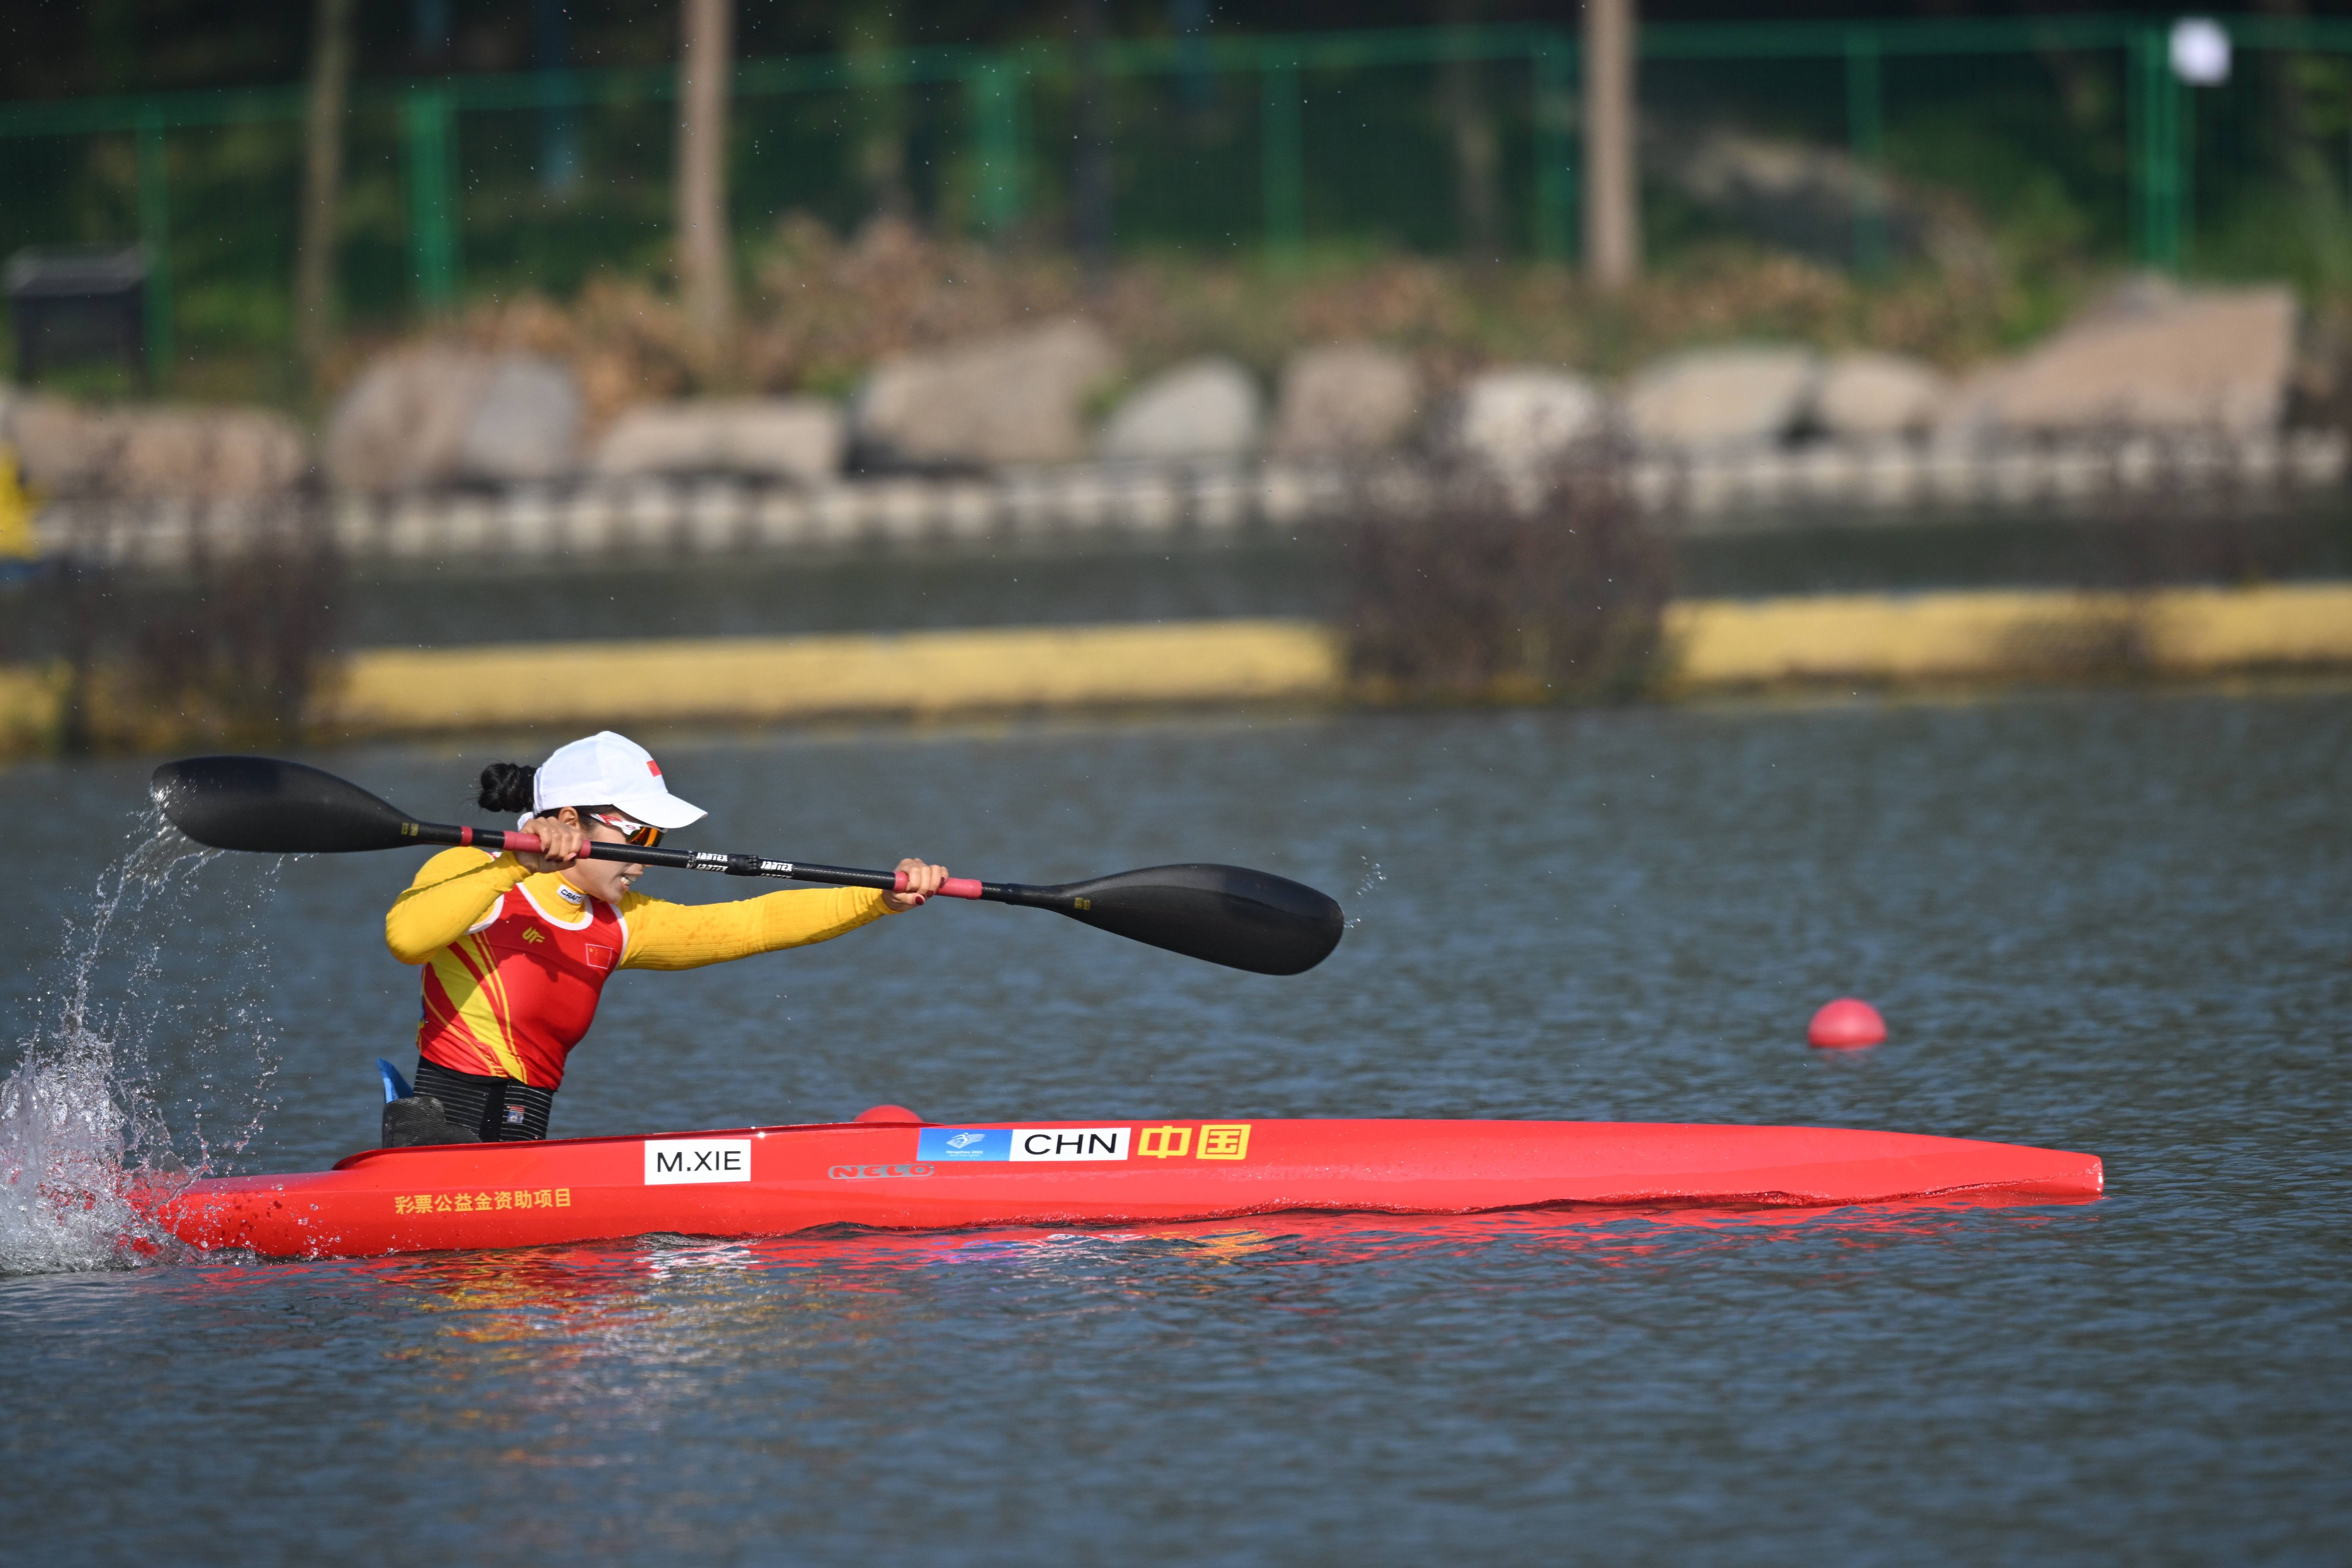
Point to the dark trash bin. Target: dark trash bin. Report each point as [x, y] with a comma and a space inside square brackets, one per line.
[75, 304]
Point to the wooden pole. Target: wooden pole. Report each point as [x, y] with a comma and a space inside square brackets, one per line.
[706, 60]
[1613, 192]
[322, 182]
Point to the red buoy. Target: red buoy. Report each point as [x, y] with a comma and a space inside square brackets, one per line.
[1845, 1024]
[895, 1113]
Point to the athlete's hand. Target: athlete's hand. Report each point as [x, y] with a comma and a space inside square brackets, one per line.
[923, 880]
[560, 844]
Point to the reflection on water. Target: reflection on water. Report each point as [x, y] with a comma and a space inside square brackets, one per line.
[2111, 922]
[563, 1280]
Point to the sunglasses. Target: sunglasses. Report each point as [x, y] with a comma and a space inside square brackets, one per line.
[631, 832]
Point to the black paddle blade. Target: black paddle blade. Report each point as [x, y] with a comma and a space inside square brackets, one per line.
[1225, 914]
[283, 808]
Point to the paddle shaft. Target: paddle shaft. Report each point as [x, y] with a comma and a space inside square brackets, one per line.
[736, 865]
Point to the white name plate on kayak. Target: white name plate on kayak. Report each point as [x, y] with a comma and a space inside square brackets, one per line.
[1070, 1142]
[672, 1161]
[958, 1145]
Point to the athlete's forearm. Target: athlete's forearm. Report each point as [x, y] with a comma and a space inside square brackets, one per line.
[439, 909]
[687, 936]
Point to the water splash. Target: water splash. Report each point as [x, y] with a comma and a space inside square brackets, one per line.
[1373, 877]
[156, 1005]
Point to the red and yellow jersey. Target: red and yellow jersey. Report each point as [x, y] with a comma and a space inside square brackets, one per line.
[515, 963]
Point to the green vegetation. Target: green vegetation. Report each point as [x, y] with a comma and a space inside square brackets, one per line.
[1945, 187]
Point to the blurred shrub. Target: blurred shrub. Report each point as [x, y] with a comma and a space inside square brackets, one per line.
[234, 650]
[1476, 590]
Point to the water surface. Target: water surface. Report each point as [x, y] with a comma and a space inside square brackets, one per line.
[2114, 922]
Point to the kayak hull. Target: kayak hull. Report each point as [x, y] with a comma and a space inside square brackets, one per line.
[907, 1175]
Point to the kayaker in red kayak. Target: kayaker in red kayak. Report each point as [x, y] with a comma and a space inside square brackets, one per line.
[516, 948]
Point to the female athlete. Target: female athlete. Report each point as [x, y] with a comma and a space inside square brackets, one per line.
[516, 948]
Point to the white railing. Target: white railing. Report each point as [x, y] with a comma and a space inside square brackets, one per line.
[1706, 493]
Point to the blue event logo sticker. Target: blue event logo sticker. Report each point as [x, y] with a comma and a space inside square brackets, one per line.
[950, 1143]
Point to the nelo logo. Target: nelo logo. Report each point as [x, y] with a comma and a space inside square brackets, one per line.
[677, 1161]
[874, 1173]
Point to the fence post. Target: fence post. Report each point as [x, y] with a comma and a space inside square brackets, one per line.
[2181, 113]
[425, 118]
[994, 91]
[1555, 169]
[2156, 151]
[155, 240]
[1282, 160]
[1865, 107]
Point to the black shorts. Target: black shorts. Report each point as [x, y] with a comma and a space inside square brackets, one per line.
[501, 1110]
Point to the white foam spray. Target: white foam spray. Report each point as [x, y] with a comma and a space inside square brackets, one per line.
[123, 1046]
[1366, 885]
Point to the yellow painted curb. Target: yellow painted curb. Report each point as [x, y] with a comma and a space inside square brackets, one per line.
[1720, 643]
[32, 700]
[1715, 645]
[793, 677]
[2192, 630]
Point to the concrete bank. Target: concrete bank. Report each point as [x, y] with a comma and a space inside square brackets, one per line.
[765, 678]
[1718, 646]
[1908, 638]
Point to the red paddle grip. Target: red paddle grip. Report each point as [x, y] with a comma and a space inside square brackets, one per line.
[953, 888]
[491, 838]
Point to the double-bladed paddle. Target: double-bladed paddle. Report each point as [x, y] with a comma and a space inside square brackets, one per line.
[1225, 914]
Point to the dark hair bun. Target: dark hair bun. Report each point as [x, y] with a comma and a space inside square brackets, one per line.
[506, 786]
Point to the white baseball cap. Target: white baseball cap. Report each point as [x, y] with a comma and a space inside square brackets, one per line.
[611, 770]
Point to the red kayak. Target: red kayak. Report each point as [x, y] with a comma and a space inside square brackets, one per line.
[892, 1172]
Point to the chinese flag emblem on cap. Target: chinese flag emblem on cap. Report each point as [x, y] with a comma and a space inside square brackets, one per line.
[653, 767]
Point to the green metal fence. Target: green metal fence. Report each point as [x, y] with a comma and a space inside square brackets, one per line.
[1259, 143]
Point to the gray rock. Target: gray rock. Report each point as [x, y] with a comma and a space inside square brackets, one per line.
[431, 414]
[1017, 398]
[1866, 396]
[1722, 399]
[1204, 408]
[403, 423]
[2150, 358]
[1346, 398]
[257, 452]
[527, 425]
[164, 453]
[1518, 420]
[188, 454]
[66, 449]
[209, 454]
[796, 438]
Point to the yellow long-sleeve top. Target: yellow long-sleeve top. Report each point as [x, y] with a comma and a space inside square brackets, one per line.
[514, 962]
